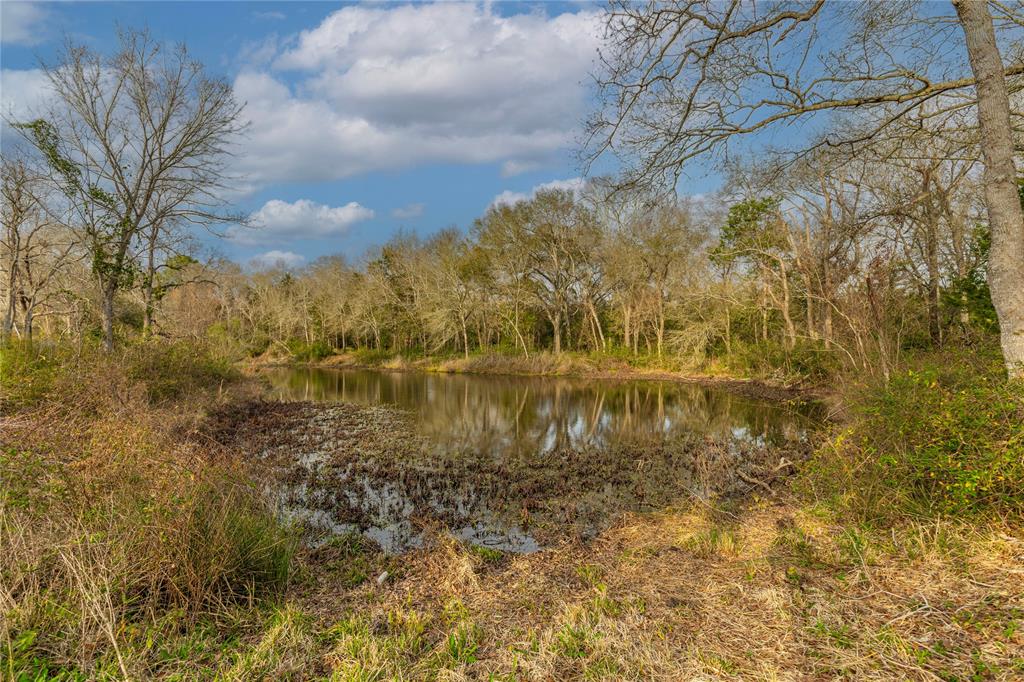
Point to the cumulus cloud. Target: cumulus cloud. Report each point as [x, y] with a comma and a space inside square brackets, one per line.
[22, 23]
[408, 212]
[508, 197]
[278, 259]
[277, 220]
[23, 92]
[514, 167]
[381, 87]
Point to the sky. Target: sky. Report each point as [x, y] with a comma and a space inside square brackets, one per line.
[365, 119]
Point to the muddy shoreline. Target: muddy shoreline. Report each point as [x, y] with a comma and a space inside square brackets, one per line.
[338, 468]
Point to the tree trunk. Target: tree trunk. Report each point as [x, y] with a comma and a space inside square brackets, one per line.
[728, 330]
[107, 305]
[29, 314]
[786, 317]
[660, 332]
[932, 257]
[556, 327]
[147, 320]
[1006, 217]
[8, 323]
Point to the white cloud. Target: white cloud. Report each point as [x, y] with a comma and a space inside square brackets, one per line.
[272, 16]
[277, 220]
[508, 197]
[278, 259]
[23, 92]
[514, 167]
[383, 87]
[408, 212]
[21, 23]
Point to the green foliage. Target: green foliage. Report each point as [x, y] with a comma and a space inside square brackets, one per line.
[970, 294]
[27, 373]
[371, 356]
[487, 555]
[309, 352]
[172, 370]
[109, 232]
[574, 640]
[806, 360]
[749, 231]
[462, 644]
[944, 436]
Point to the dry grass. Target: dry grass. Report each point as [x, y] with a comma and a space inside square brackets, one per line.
[772, 594]
[120, 526]
[131, 547]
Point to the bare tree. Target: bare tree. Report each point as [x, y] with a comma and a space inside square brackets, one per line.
[1006, 217]
[690, 78]
[34, 246]
[139, 140]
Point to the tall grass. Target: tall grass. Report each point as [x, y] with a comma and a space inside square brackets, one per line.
[117, 527]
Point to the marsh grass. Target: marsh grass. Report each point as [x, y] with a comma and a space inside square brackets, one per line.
[122, 531]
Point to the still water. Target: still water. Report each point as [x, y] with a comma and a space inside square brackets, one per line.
[520, 462]
[515, 415]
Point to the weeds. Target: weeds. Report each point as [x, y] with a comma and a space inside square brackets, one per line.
[945, 436]
[134, 548]
[111, 521]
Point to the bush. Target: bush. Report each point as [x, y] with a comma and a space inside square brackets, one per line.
[372, 356]
[944, 436]
[117, 525]
[27, 374]
[309, 352]
[98, 552]
[173, 370]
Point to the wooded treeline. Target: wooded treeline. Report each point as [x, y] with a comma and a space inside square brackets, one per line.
[843, 268]
[873, 239]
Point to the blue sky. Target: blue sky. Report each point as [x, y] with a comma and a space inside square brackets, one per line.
[366, 119]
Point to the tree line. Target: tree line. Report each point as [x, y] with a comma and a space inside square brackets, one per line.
[886, 227]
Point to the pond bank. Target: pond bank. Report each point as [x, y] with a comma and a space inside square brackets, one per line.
[760, 586]
[337, 468]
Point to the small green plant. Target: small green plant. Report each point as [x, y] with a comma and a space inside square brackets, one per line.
[715, 541]
[487, 555]
[943, 437]
[462, 644]
[172, 370]
[838, 635]
[574, 640]
[591, 574]
[27, 373]
[301, 351]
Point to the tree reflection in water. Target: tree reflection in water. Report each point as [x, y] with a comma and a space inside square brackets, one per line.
[484, 455]
[511, 416]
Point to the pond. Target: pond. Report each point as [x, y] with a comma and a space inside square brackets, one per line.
[514, 462]
[509, 415]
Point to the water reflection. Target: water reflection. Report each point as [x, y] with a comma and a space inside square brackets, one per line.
[506, 416]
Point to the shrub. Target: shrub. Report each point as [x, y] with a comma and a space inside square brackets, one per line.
[309, 352]
[27, 374]
[172, 370]
[117, 525]
[945, 435]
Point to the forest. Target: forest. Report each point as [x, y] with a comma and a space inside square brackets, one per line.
[825, 353]
[839, 265]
